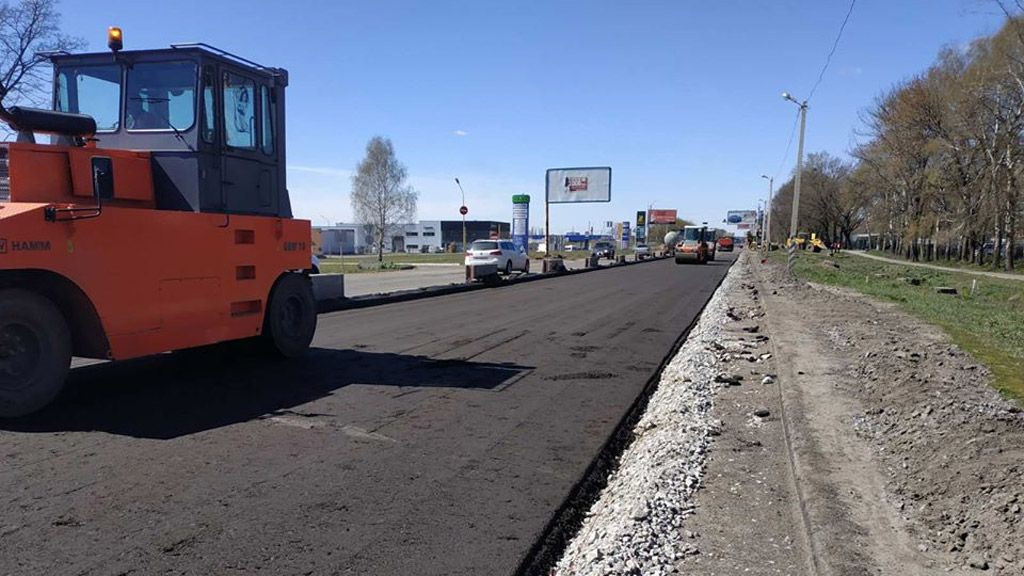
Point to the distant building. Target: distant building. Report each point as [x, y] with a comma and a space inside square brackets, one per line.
[422, 236]
[343, 239]
[438, 235]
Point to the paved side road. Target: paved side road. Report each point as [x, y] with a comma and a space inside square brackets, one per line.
[428, 437]
[423, 276]
[384, 282]
[1003, 275]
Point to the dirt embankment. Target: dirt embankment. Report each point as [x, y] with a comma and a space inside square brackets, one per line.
[809, 430]
[925, 460]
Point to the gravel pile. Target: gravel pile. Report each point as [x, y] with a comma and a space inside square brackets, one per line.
[636, 526]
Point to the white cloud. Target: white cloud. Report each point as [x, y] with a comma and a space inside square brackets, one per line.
[461, 133]
[326, 170]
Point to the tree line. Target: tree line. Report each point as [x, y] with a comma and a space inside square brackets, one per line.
[940, 166]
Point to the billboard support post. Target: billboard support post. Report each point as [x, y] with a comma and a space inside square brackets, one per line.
[547, 226]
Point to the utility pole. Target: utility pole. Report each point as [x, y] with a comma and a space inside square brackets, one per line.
[799, 163]
[767, 240]
[796, 182]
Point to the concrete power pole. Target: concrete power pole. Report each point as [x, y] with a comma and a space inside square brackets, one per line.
[767, 240]
[796, 182]
[800, 163]
[799, 172]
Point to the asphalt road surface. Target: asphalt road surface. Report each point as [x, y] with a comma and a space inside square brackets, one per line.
[428, 437]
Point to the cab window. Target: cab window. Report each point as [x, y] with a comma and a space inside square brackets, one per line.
[208, 128]
[239, 112]
[267, 109]
[161, 96]
[92, 90]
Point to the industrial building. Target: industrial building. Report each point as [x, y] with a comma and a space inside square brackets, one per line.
[422, 236]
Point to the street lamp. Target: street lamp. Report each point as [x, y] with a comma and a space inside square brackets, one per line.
[799, 162]
[463, 211]
[768, 213]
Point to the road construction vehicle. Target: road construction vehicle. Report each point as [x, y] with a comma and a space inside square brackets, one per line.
[692, 245]
[669, 242]
[156, 219]
[805, 239]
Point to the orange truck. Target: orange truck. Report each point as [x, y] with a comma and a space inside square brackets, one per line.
[156, 219]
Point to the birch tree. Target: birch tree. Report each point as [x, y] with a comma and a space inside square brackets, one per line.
[381, 198]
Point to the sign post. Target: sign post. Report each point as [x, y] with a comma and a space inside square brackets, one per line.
[641, 227]
[574, 185]
[463, 210]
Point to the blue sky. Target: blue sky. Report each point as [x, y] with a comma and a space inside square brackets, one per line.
[680, 97]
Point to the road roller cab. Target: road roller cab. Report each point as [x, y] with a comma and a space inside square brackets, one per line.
[155, 218]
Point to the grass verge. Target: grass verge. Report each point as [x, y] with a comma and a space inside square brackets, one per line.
[988, 322]
[346, 266]
[402, 257]
[954, 264]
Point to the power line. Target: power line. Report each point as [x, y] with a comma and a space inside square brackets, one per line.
[832, 52]
[789, 145]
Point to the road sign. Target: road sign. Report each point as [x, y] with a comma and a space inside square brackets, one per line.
[463, 210]
[641, 226]
[521, 221]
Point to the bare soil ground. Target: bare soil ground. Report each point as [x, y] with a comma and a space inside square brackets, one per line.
[830, 434]
[905, 460]
[748, 518]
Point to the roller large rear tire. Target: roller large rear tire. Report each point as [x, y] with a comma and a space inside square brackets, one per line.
[290, 321]
[35, 352]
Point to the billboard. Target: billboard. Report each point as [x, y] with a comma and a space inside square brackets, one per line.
[742, 219]
[662, 216]
[567, 185]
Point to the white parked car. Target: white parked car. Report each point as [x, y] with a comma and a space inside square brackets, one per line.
[502, 253]
[642, 251]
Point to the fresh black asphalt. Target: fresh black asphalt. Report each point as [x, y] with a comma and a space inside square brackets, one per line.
[435, 436]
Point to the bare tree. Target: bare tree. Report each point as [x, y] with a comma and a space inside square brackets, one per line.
[29, 29]
[380, 196]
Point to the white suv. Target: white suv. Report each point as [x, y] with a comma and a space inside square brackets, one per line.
[502, 253]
